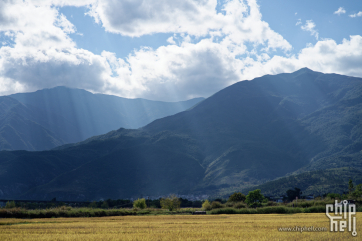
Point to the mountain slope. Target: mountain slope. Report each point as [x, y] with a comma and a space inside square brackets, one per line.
[258, 130]
[51, 117]
[20, 128]
[244, 135]
[312, 182]
[126, 164]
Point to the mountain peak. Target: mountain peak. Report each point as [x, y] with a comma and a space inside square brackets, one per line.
[304, 70]
[62, 88]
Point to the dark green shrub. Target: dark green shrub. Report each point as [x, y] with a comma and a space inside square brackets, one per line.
[267, 210]
[93, 204]
[105, 205]
[237, 197]
[10, 204]
[315, 209]
[224, 211]
[100, 213]
[239, 205]
[171, 203]
[334, 196]
[271, 203]
[65, 208]
[140, 203]
[216, 204]
[229, 204]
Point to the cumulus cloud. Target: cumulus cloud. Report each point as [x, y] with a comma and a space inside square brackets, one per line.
[325, 56]
[62, 3]
[171, 40]
[340, 11]
[310, 27]
[184, 71]
[243, 23]
[359, 14]
[140, 17]
[206, 52]
[43, 54]
[198, 68]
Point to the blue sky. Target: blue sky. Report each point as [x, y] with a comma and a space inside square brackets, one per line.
[165, 50]
[281, 15]
[95, 39]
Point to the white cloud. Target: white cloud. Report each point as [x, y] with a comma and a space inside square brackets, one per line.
[198, 67]
[340, 11]
[184, 71]
[243, 24]
[310, 27]
[192, 17]
[43, 55]
[207, 51]
[141, 17]
[171, 40]
[62, 3]
[325, 56]
[299, 22]
[359, 14]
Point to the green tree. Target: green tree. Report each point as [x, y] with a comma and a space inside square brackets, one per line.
[171, 203]
[216, 204]
[10, 204]
[292, 194]
[350, 186]
[254, 198]
[105, 204]
[334, 196]
[140, 203]
[357, 192]
[237, 197]
[206, 205]
[93, 204]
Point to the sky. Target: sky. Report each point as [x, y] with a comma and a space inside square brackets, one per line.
[172, 50]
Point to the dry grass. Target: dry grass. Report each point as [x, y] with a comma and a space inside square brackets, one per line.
[175, 227]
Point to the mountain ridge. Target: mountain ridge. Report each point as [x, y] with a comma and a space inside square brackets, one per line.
[57, 116]
[245, 135]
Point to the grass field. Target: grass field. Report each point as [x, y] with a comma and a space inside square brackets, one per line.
[173, 227]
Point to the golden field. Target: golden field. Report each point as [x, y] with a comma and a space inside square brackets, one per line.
[173, 227]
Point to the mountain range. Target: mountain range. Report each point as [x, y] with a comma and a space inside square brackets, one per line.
[248, 134]
[48, 118]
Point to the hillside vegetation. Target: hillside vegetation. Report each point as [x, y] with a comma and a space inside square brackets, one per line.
[49, 118]
[313, 182]
[247, 134]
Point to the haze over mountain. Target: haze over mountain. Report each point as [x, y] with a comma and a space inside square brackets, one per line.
[51, 117]
[246, 134]
[23, 127]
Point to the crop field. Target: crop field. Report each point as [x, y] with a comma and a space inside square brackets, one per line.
[174, 227]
